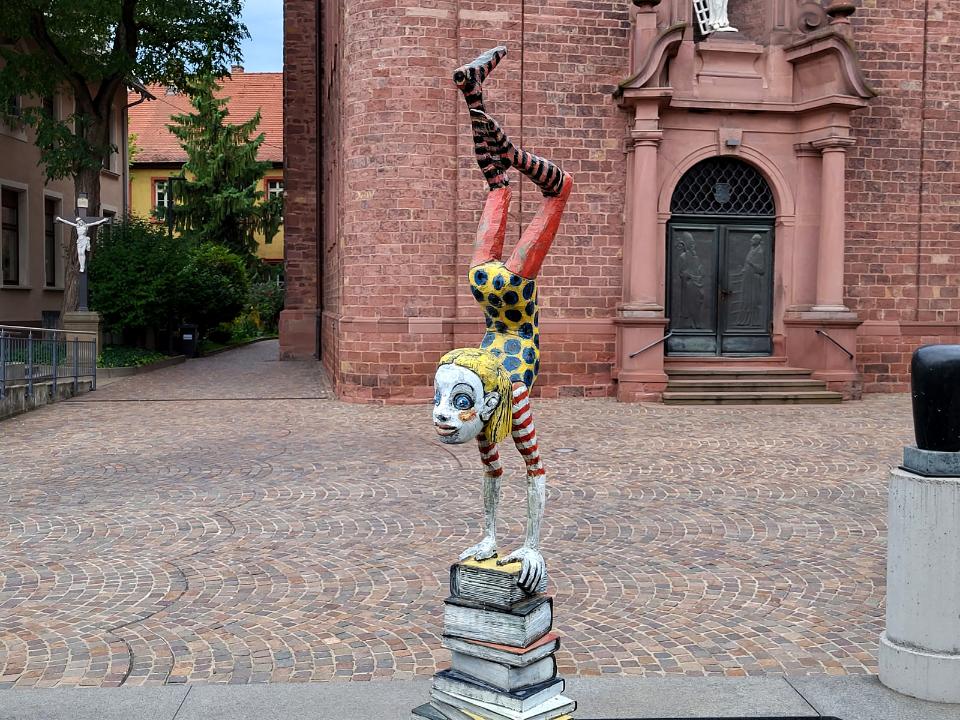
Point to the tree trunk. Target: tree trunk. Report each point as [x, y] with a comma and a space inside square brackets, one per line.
[86, 181]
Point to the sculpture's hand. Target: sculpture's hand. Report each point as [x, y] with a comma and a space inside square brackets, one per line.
[533, 569]
[486, 548]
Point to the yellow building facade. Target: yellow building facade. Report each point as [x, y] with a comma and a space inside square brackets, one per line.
[159, 157]
[149, 188]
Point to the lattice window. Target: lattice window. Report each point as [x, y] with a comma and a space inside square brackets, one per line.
[723, 186]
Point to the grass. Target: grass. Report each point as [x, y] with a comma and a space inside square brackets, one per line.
[113, 356]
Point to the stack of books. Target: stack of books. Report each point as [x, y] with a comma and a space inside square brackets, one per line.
[503, 651]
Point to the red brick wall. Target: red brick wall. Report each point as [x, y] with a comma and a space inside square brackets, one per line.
[402, 194]
[301, 156]
[411, 194]
[904, 195]
[331, 168]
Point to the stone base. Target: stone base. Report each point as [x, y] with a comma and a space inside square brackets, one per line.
[931, 463]
[919, 650]
[80, 323]
[919, 673]
[298, 334]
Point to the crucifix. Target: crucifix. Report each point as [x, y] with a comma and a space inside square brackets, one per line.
[83, 225]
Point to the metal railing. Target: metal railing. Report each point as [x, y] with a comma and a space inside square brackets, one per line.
[824, 333]
[39, 355]
[654, 343]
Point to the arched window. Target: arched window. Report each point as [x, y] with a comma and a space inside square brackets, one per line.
[723, 186]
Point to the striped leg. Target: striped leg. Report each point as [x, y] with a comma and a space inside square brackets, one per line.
[524, 432]
[469, 79]
[533, 571]
[545, 175]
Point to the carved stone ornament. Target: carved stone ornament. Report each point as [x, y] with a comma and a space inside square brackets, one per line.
[711, 16]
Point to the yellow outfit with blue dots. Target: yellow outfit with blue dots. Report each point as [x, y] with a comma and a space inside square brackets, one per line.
[509, 305]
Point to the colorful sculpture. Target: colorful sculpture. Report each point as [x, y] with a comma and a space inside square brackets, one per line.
[483, 392]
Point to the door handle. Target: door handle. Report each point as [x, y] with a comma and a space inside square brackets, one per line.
[724, 292]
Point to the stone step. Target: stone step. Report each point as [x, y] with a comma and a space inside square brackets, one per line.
[772, 384]
[799, 397]
[737, 373]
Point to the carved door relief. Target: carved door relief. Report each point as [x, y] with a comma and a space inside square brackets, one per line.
[720, 289]
[720, 261]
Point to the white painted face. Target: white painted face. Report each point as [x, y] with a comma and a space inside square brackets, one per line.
[460, 407]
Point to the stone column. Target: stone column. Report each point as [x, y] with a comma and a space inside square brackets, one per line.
[640, 321]
[830, 255]
[641, 253]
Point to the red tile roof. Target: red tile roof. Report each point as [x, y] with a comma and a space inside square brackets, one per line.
[248, 92]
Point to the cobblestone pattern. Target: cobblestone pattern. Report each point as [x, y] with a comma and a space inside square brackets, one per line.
[273, 539]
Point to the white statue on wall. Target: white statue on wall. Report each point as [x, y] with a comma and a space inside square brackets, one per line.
[83, 240]
[712, 16]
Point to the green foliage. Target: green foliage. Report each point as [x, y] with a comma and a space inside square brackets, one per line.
[134, 274]
[218, 200]
[266, 301]
[92, 49]
[120, 356]
[212, 286]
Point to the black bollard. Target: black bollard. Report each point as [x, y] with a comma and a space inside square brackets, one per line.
[935, 386]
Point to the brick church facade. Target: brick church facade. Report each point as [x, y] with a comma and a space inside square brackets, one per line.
[786, 195]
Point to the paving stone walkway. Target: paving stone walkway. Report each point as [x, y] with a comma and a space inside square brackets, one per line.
[225, 521]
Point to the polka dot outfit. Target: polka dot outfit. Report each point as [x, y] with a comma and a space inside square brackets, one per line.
[509, 304]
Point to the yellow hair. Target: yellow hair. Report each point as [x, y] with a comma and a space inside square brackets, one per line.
[493, 376]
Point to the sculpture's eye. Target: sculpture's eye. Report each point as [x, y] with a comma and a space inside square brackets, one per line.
[436, 397]
[463, 402]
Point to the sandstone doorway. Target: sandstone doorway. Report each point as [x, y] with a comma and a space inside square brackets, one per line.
[720, 244]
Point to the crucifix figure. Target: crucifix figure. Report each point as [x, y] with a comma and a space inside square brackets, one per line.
[83, 225]
[83, 240]
[712, 16]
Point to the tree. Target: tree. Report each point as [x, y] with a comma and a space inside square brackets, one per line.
[94, 49]
[217, 195]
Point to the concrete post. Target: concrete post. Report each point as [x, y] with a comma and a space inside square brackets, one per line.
[920, 649]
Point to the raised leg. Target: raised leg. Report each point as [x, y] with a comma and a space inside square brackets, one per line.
[492, 472]
[492, 228]
[469, 79]
[546, 175]
[538, 236]
[554, 183]
[533, 569]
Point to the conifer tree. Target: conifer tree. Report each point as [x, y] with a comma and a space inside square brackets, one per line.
[217, 199]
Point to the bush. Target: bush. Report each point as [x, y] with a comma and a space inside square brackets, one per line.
[119, 356]
[266, 301]
[133, 276]
[212, 287]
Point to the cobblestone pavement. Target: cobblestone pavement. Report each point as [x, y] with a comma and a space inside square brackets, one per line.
[220, 521]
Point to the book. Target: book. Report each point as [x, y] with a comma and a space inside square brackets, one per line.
[426, 712]
[504, 654]
[449, 712]
[486, 582]
[519, 700]
[523, 624]
[505, 677]
[558, 707]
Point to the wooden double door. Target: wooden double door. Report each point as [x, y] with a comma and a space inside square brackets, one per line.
[720, 287]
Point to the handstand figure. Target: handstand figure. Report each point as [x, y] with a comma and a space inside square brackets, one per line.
[483, 392]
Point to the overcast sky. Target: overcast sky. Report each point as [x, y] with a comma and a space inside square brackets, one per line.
[264, 51]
